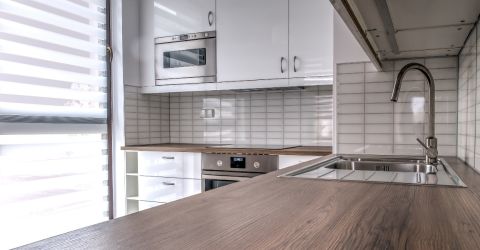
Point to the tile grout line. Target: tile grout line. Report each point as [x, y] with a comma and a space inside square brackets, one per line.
[394, 112]
[364, 108]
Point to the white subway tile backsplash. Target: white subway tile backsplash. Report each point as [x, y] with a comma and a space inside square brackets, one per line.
[350, 98]
[379, 77]
[351, 88]
[375, 139]
[379, 108]
[350, 68]
[392, 128]
[285, 117]
[378, 118]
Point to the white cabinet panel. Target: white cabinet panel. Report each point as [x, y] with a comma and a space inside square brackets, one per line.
[176, 17]
[252, 39]
[311, 38]
[290, 160]
[159, 189]
[170, 164]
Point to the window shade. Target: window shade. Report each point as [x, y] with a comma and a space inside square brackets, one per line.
[52, 58]
[53, 114]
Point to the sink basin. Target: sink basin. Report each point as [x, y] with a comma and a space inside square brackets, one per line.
[386, 169]
[370, 165]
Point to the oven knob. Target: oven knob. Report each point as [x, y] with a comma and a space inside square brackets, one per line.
[219, 163]
[256, 164]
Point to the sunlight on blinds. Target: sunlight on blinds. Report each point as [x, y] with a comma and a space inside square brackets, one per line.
[52, 53]
[53, 112]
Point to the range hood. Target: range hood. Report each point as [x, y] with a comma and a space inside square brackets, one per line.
[397, 29]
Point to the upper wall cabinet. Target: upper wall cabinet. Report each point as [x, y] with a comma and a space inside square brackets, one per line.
[176, 17]
[310, 38]
[274, 39]
[252, 39]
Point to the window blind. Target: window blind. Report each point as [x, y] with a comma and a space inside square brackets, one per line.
[53, 118]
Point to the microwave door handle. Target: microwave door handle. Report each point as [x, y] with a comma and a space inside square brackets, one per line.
[224, 178]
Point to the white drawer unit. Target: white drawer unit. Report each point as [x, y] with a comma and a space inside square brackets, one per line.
[161, 189]
[154, 178]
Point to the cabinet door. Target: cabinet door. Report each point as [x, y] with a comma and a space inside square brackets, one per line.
[176, 17]
[311, 38]
[252, 39]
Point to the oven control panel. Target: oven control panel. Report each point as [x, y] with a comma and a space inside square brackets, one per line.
[240, 163]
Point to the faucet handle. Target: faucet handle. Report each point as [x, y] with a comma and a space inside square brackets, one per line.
[431, 152]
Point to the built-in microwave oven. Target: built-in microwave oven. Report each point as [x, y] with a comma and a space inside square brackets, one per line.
[189, 58]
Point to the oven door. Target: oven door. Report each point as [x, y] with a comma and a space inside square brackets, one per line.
[210, 182]
[190, 61]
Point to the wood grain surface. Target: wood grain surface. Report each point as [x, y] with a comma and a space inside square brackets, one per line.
[268, 212]
[206, 148]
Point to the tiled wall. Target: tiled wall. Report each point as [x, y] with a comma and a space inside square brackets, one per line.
[469, 101]
[146, 117]
[273, 117]
[369, 123]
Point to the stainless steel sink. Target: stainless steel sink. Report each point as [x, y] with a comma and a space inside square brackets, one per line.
[388, 169]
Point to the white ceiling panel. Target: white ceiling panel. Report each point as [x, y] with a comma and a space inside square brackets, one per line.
[407, 14]
[418, 28]
[429, 39]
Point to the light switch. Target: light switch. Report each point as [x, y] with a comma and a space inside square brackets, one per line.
[207, 113]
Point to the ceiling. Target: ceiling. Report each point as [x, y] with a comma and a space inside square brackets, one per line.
[394, 29]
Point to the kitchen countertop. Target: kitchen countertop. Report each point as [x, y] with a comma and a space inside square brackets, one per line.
[206, 148]
[267, 212]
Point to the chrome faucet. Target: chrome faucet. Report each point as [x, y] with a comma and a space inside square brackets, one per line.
[430, 145]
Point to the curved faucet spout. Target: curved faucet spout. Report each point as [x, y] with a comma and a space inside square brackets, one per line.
[430, 142]
[431, 85]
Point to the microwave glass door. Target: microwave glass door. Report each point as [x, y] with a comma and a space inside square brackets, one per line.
[184, 58]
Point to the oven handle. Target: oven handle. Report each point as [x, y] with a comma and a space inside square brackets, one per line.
[224, 178]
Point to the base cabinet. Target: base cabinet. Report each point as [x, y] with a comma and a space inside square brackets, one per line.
[156, 178]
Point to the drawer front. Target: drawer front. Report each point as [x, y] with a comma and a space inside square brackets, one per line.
[166, 164]
[170, 164]
[161, 189]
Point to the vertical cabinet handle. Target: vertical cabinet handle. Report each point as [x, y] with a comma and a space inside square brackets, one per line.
[295, 63]
[281, 64]
[210, 18]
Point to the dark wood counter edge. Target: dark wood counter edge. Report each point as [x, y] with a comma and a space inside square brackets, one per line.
[267, 212]
[203, 148]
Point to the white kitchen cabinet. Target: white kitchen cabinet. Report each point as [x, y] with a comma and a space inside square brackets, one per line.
[176, 17]
[290, 160]
[252, 40]
[155, 178]
[310, 38]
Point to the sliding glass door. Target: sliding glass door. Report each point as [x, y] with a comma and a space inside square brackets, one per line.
[54, 118]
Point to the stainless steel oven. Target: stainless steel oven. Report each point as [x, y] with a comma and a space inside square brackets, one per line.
[189, 58]
[223, 169]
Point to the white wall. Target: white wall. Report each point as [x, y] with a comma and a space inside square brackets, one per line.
[469, 101]
[346, 49]
[130, 41]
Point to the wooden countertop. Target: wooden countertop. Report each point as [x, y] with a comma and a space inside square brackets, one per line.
[267, 212]
[207, 148]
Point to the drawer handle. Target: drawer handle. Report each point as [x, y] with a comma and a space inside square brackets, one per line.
[166, 183]
[168, 157]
